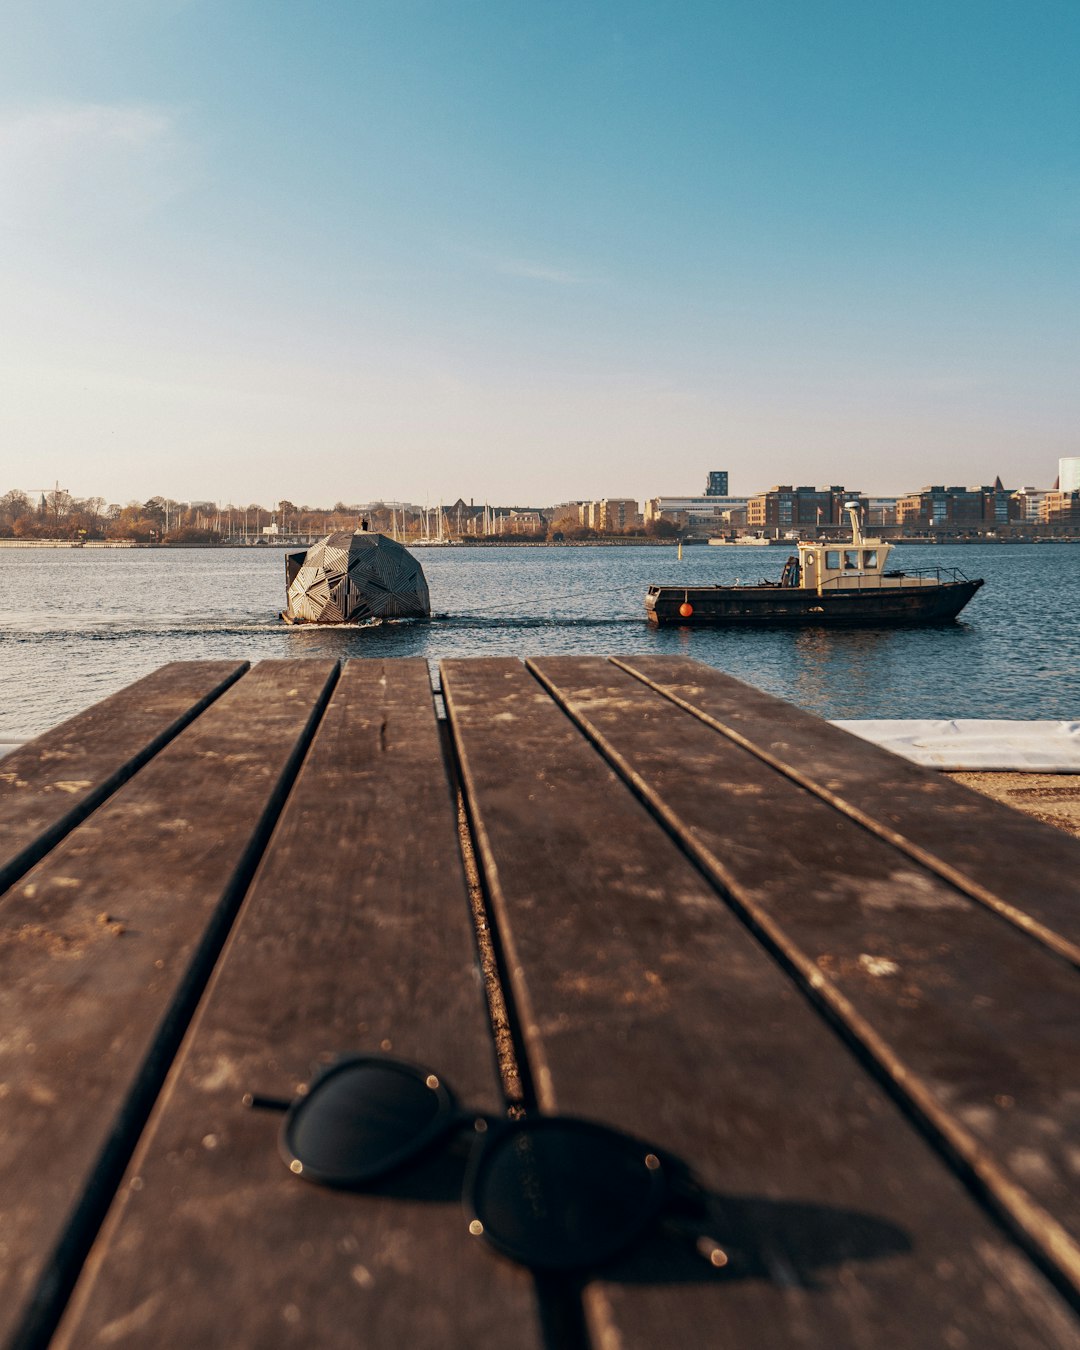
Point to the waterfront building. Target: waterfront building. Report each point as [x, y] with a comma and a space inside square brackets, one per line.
[525, 522]
[787, 508]
[880, 511]
[1069, 474]
[1061, 508]
[712, 514]
[938, 507]
[609, 515]
[618, 513]
[716, 485]
[1029, 501]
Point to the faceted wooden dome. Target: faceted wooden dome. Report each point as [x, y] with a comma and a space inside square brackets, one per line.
[349, 578]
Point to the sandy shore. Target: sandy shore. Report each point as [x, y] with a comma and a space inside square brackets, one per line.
[1053, 798]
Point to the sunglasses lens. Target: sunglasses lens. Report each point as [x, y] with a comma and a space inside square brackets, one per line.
[564, 1194]
[361, 1120]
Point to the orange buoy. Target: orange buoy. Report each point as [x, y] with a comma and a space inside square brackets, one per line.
[686, 609]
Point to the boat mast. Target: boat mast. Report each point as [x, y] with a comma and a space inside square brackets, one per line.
[852, 508]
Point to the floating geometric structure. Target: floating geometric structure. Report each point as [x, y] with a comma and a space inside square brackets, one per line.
[348, 578]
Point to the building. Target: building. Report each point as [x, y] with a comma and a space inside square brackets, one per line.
[880, 512]
[524, 522]
[1069, 474]
[618, 513]
[1062, 508]
[792, 508]
[716, 484]
[705, 513]
[970, 508]
[999, 504]
[1029, 501]
[609, 515]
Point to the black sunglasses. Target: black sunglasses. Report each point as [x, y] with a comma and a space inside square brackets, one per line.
[554, 1192]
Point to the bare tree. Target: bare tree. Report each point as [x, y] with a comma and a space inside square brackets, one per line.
[14, 506]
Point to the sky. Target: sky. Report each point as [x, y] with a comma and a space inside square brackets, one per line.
[530, 252]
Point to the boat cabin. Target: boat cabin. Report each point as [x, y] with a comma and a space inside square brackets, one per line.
[832, 566]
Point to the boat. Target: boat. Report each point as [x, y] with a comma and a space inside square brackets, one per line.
[825, 583]
[741, 541]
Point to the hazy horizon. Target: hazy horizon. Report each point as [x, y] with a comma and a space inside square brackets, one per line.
[410, 250]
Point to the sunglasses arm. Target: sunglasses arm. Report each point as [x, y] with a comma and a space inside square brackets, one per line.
[255, 1101]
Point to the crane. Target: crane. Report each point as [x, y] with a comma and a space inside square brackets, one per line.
[55, 488]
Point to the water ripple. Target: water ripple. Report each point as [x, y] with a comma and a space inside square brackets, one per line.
[75, 625]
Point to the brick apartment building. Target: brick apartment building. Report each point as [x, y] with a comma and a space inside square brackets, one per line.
[786, 508]
[959, 507]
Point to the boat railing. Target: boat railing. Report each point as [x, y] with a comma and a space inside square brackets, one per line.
[848, 581]
[939, 573]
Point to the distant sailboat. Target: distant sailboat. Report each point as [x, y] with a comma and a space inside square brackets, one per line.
[442, 527]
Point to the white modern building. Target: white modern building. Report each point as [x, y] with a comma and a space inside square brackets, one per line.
[710, 511]
[1069, 473]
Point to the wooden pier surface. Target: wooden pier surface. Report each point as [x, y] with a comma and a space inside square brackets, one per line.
[840, 988]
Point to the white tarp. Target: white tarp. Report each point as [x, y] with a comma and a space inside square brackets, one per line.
[976, 743]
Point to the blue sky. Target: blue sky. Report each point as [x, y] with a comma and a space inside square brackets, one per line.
[528, 252]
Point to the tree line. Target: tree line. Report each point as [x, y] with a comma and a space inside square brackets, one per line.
[57, 514]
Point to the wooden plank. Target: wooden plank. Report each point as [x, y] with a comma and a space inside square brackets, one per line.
[974, 1024]
[356, 935]
[50, 784]
[645, 1003]
[104, 948]
[1027, 872]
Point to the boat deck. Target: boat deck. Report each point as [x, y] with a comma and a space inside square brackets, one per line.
[839, 987]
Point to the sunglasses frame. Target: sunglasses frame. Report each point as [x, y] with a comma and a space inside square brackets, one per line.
[447, 1117]
[503, 1134]
[493, 1134]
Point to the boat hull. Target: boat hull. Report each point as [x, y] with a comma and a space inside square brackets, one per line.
[737, 606]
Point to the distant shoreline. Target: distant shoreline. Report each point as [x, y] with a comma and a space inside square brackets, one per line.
[923, 542]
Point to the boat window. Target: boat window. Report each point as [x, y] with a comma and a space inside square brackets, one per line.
[809, 558]
[832, 558]
[851, 559]
[870, 558]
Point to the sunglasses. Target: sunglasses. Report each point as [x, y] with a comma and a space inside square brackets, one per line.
[554, 1193]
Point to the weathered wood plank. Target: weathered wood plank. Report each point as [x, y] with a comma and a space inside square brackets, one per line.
[104, 948]
[1025, 871]
[48, 785]
[973, 1022]
[645, 1003]
[356, 934]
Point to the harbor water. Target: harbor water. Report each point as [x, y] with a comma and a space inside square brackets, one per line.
[77, 624]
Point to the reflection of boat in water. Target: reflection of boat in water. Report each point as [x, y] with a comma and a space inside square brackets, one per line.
[826, 583]
[352, 578]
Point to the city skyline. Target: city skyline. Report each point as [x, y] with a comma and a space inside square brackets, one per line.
[1067, 471]
[249, 248]
[1067, 474]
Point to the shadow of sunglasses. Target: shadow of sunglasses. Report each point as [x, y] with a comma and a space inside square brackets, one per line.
[554, 1193]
